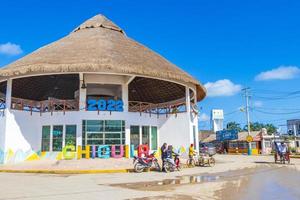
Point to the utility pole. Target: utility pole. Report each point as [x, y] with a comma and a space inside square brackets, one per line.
[247, 95]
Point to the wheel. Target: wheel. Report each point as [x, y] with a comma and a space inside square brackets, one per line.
[190, 163]
[211, 162]
[201, 162]
[139, 168]
[167, 167]
[178, 167]
[157, 167]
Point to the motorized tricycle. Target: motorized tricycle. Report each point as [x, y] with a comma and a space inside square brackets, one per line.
[282, 154]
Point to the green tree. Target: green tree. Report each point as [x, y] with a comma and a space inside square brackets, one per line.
[256, 126]
[233, 126]
[271, 128]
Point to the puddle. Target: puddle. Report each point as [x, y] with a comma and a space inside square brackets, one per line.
[169, 184]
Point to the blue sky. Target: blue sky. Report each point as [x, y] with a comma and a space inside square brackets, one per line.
[229, 40]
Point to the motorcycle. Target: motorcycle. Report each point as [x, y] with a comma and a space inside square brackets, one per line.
[170, 166]
[145, 163]
[206, 160]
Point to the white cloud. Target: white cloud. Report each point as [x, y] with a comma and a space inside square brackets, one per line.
[222, 88]
[280, 73]
[10, 49]
[258, 104]
[204, 117]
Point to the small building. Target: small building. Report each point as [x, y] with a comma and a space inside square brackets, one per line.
[262, 142]
[293, 127]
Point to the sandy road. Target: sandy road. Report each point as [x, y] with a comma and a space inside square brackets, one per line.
[227, 180]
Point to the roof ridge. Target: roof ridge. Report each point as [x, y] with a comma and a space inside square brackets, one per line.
[98, 21]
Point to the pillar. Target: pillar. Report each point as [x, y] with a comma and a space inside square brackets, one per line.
[127, 136]
[125, 97]
[8, 94]
[187, 99]
[82, 93]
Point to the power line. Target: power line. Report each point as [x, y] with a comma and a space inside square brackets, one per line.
[277, 113]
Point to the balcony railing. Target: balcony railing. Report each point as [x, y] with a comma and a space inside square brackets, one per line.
[51, 105]
[58, 105]
[172, 107]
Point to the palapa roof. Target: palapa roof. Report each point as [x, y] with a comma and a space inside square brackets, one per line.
[99, 45]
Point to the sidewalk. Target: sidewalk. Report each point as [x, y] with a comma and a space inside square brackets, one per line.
[111, 165]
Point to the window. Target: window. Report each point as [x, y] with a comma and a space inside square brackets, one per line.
[242, 145]
[57, 138]
[46, 138]
[145, 135]
[253, 145]
[100, 132]
[267, 144]
[70, 138]
[154, 138]
[135, 136]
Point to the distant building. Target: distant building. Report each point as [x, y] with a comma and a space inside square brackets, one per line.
[217, 120]
[293, 127]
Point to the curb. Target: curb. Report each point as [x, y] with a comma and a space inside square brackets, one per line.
[93, 171]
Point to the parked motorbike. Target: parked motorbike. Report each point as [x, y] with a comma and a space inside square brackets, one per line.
[171, 165]
[144, 163]
[206, 160]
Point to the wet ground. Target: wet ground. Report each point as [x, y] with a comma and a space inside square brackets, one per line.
[260, 183]
[234, 177]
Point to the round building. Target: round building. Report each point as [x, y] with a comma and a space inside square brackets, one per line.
[95, 87]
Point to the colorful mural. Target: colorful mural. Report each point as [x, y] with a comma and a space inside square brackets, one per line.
[69, 152]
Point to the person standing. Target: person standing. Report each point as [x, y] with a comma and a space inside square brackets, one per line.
[164, 152]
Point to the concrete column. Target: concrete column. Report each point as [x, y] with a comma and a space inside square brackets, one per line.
[82, 93]
[125, 96]
[8, 94]
[140, 127]
[127, 135]
[263, 146]
[187, 99]
[79, 134]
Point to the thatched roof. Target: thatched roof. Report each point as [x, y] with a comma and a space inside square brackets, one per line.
[98, 45]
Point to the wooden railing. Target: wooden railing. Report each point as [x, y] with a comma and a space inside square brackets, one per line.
[173, 107]
[51, 105]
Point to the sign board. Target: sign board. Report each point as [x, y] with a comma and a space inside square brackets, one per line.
[105, 105]
[249, 138]
[226, 135]
[217, 114]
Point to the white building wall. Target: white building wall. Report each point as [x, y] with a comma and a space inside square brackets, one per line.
[175, 130]
[2, 130]
[24, 131]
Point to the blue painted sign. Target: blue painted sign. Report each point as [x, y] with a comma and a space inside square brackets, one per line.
[227, 135]
[105, 105]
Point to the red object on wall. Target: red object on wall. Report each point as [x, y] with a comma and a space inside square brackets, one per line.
[143, 150]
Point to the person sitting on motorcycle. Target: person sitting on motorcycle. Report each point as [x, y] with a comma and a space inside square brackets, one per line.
[169, 154]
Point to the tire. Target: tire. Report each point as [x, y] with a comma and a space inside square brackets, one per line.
[211, 162]
[179, 167]
[190, 163]
[139, 168]
[167, 167]
[157, 167]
